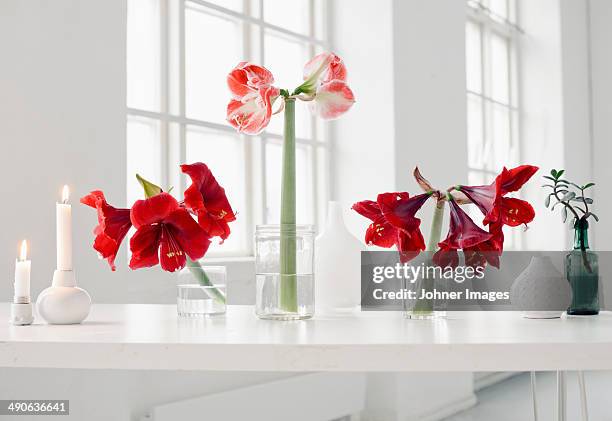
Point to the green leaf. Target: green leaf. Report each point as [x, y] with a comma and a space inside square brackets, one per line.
[568, 196]
[564, 214]
[553, 172]
[547, 201]
[149, 188]
[559, 173]
[586, 186]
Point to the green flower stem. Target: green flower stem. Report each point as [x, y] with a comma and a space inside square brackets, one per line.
[425, 307]
[198, 272]
[288, 257]
[436, 227]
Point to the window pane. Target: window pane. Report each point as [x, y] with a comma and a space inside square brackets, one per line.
[304, 186]
[228, 4]
[212, 49]
[285, 58]
[500, 78]
[499, 8]
[224, 155]
[501, 136]
[143, 154]
[475, 132]
[292, 15]
[473, 58]
[143, 54]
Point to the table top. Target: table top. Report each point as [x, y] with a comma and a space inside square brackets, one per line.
[143, 336]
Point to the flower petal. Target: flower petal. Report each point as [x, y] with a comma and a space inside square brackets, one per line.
[410, 244]
[152, 210]
[332, 99]
[247, 78]
[482, 196]
[463, 232]
[382, 234]
[144, 245]
[368, 208]
[253, 115]
[113, 226]
[515, 212]
[512, 180]
[207, 199]
[188, 235]
[321, 69]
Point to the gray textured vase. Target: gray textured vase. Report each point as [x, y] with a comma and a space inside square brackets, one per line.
[541, 291]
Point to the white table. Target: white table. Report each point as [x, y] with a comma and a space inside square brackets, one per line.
[152, 337]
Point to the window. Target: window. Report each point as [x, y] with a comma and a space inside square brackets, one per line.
[179, 53]
[492, 92]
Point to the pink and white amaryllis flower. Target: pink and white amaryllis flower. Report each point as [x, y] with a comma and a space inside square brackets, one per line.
[253, 95]
[325, 83]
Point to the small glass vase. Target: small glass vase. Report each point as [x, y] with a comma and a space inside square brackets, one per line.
[582, 273]
[284, 270]
[201, 291]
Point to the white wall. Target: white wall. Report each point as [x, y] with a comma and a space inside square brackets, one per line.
[62, 80]
[601, 71]
[363, 147]
[430, 98]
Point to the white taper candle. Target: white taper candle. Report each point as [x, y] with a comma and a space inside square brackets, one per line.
[22, 273]
[64, 232]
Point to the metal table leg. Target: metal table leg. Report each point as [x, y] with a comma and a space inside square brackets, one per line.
[583, 396]
[561, 396]
[534, 396]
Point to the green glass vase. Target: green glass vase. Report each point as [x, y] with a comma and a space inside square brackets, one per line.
[582, 272]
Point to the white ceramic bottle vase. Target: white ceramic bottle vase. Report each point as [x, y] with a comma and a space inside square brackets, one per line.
[541, 291]
[63, 303]
[337, 265]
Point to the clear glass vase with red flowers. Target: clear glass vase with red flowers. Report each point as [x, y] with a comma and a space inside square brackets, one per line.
[285, 251]
[172, 233]
[395, 224]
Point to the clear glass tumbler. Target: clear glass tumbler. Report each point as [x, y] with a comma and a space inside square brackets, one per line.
[284, 270]
[201, 291]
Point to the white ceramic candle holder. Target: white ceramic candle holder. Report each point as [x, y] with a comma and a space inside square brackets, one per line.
[21, 311]
[63, 303]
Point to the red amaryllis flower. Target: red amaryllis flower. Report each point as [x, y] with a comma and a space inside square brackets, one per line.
[463, 233]
[113, 225]
[207, 199]
[492, 203]
[250, 109]
[394, 222]
[166, 234]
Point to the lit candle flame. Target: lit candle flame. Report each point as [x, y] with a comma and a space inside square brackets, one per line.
[65, 194]
[23, 253]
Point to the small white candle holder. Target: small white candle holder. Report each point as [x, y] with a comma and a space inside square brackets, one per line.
[21, 311]
[63, 303]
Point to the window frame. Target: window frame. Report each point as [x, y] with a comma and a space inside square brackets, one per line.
[172, 114]
[490, 24]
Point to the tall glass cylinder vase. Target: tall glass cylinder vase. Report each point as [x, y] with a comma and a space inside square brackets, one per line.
[582, 272]
[281, 295]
